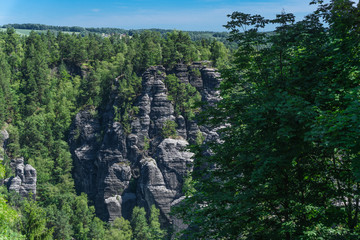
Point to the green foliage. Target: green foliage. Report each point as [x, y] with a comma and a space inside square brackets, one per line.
[169, 129]
[13, 145]
[128, 90]
[8, 216]
[143, 229]
[183, 96]
[288, 164]
[97, 230]
[139, 224]
[155, 230]
[120, 229]
[82, 218]
[188, 188]
[178, 48]
[34, 221]
[8, 219]
[146, 143]
[5, 89]
[46, 78]
[196, 72]
[2, 108]
[2, 170]
[219, 54]
[199, 138]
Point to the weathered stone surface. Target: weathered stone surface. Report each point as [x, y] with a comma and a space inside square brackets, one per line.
[120, 170]
[84, 145]
[25, 178]
[174, 162]
[152, 188]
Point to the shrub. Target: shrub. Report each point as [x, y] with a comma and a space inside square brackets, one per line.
[169, 129]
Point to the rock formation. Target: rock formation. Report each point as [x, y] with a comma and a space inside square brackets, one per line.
[118, 169]
[24, 181]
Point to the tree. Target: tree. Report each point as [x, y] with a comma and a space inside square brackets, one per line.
[120, 229]
[288, 162]
[97, 230]
[34, 221]
[82, 217]
[5, 91]
[183, 96]
[2, 107]
[45, 78]
[35, 83]
[169, 129]
[219, 54]
[178, 48]
[8, 216]
[139, 224]
[154, 225]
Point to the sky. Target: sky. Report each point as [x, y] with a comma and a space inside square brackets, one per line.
[191, 15]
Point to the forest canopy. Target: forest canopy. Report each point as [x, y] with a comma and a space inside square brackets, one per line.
[288, 164]
[45, 79]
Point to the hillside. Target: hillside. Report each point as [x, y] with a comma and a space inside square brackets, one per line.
[69, 105]
[156, 135]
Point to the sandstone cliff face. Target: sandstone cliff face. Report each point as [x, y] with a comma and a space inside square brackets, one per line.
[120, 170]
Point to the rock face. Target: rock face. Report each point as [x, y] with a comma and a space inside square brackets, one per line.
[120, 170]
[25, 178]
[24, 181]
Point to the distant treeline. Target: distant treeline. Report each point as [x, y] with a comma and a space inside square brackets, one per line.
[32, 26]
[194, 35]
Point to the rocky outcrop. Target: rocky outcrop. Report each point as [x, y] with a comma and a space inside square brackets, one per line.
[118, 169]
[24, 181]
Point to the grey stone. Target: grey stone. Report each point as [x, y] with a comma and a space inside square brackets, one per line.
[24, 181]
[174, 162]
[119, 170]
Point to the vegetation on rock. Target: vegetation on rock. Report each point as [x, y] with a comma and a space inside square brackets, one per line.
[45, 79]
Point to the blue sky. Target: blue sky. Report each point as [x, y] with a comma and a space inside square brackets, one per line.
[182, 14]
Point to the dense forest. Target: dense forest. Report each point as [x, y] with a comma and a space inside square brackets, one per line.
[194, 35]
[45, 79]
[286, 166]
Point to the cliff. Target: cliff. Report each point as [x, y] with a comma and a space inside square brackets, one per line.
[118, 169]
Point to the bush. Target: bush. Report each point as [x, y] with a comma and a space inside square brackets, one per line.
[169, 129]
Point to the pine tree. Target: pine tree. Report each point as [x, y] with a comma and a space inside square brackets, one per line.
[156, 232]
[139, 224]
[120, 229]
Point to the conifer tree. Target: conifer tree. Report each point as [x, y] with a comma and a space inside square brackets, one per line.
[156, 232]
[120, 229]
[139, 224]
